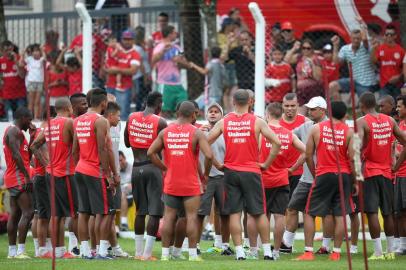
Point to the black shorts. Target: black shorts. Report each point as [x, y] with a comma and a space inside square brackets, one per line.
[147, 190]
[378, 194]
[18, 190]
[243, 190]
[176, 202]
[400, 195]
[355, 204]
[299, 196]
[117, 198]
[215, 189]
[277, 199]
[324, 197]
[64, 195]
[93, 196]
[43, 206]
[293, 182]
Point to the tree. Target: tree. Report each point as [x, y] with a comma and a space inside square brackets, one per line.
[3, 31]
[208, 8]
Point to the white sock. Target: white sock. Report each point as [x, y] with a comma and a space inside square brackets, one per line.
[247, 242]
[390, 240]
[48, 244]
[326, 243]
[397, 243]
[403, 243]
[176, 252]
[73, 241]
[165, 252]
[259, 241]
[254, 251]
[275, 253]
[225, 246]
[149, 245]
[209, 227]
[36, 246]
[185, 245]
[59, 251]
[104, 245]
[42, 251]
[288, 238]
[239, 252]
[124, 220]
[308, 249]
[192, 253]
[85, 248]
[20, 248]
[377, 246]
[337, 250]
[267, 249]
[218, 241]
[97, 249]
[354, 249]
[139, 244]
[12, 251]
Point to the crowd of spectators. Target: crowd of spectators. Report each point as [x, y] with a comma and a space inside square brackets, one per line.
[132, 65]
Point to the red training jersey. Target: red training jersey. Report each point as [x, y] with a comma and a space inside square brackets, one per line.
[390, 62]
[277, 174]
[376, 155]
[242, 153]
[13, 176]
[13, 85]
[125, 59]
[402, 170]
[293, 154]
[89, 162]
[325, 150]
[142, 130]
[62, 158]
[282, 72]
[38, 168]
[331, 70]
[182, 177]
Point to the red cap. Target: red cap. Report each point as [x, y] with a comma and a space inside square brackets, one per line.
[287, 26]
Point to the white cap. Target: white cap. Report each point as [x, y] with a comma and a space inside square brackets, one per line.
[327, 47]
[316, 102]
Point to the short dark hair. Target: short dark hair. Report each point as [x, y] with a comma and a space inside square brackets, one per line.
[73, 62]
[368, 100]
[163, 14]
[112, 107]
[277, 47]
[186, 109]
[97, 97]
[290, 96]
[120, 153]
[89, 97]
[6, 43]
[22, 112]
[374, 28]
[402, 98]
[309, 41]
[241, 97]
[52, 113]
[76, 95]
[338, 109]
[390, 26]
[167, 30]
[194, 103]
[153, 98]
[275, 110]
[215, 52]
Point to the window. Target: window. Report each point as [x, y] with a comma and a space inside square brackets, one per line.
[17, 3]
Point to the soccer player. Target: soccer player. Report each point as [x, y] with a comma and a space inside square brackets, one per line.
[215, 186]
[181, 142]
[141, 130]
[242, 170]
[17, 182]
[275, 178]
[79, 104]
[94, 178]
[317, 107]
[376, 131]
[324, 196]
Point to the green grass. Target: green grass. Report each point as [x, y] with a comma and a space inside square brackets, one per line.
[212, 262]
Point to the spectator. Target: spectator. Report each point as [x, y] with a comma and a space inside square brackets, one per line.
[34, 60]
[288, 36]
[156, 37]
[274, 39]
[56, 79]
[308, 71]
[166, 57]
[374, 33]
[388, 56]
[227, 40]
[358, 54]
[128, 64]
[235, 15]
[51, 41]
[244, 57]
[126, 194]
[216, 74]
[331, 69]
[142, 79]
[280, 77]
[12, 85]
[73, 68]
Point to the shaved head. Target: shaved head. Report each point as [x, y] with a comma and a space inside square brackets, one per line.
[62, 104]
[186, 109]
[387, 99]
[241, 97]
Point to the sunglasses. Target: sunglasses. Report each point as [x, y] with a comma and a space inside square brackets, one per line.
[286, 31]
[306, 48]
[390, 34]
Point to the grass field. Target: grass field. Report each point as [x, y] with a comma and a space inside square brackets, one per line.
[211, 262]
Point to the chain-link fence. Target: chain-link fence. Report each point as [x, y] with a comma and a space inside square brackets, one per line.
[302, 52]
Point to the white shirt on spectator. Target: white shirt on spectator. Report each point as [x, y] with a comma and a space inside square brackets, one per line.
[35, 69]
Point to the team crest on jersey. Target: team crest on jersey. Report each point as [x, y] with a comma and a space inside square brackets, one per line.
[381, 53]
[397, 55]
[3, 66]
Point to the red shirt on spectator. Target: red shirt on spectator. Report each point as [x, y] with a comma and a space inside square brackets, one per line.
[390, 61]
[97, 45]
[75, 81]
[331, 70]
[283, 72]
[59, 90]
[157, 37]
[13, 85]
[125, 59]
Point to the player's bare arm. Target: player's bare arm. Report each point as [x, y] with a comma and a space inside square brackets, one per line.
[155, 148]
[298, 145]
[36, 149]
[311, 148]
[101, 126]
[14, 140]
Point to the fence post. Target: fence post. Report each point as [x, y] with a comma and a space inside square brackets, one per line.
[259, 58]
[87, 47]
